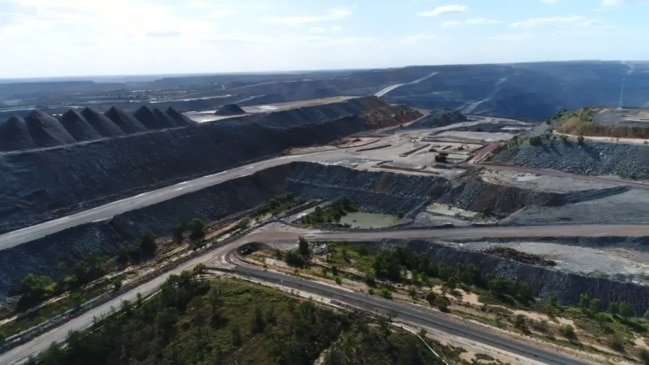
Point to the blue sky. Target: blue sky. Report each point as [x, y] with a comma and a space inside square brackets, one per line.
[98, 37]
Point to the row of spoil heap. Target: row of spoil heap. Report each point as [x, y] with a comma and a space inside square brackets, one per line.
[40, 130]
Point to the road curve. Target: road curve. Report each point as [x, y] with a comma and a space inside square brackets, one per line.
[217, 256]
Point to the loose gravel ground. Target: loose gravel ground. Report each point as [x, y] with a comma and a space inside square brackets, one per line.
[591, 159]
[631, 207]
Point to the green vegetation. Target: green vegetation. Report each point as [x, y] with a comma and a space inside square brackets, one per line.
[536, 141]
[280, 204]
[364, 343]
[196, 229]
[178, 233]
[581, 123]
[330, 214]
[303, 246]
[556, 116]
[35, 289]
[195, 321]
[148, 244]
[381, 269]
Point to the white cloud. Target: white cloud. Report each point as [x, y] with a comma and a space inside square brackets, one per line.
[451, 24]
[444, 9]
[481, 21]
[472, 21]
[332, 29]
[330, 15]
[418, 37]
[575, 20]
[317, 30]
[621, 2]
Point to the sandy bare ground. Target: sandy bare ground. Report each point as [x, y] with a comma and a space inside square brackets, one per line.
[606, 139]
[294, 104]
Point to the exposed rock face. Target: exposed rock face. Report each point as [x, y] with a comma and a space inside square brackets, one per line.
[543, 281]
[592, 158]
[372, 191]
[40, 186]
[230, 110]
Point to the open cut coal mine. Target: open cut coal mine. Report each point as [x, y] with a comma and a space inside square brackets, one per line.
[371, 191]
[42, 185]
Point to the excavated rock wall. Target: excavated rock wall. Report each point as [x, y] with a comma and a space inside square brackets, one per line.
[39, 185]
[543, 281]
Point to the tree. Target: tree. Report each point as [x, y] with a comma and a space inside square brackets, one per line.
[536, 141]
[294, 259]
[244, 224]
[584, 301]
[451, 283]
[617, 344]
[178, 233]
[520, 323]
[370, 280]
[595, 305]
[580, 140]
[431, 297]
[626, 310]
[568, 331]
[35, 289]
[148, 243]
[442, 303]
[644, 356]
[117, 284]
[303, 246]
[196, 229]
[614, 308]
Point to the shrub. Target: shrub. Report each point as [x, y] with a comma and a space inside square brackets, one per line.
[196, 229]
[431, 297]
[536, 141]
[617, 344]
[568, 331]
[442, 303]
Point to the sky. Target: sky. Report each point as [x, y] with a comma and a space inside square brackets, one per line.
[46, 38]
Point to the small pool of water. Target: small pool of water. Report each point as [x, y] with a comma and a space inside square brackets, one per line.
[369, 220]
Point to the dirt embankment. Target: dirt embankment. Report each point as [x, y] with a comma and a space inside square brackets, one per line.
[583, 123]
[591, 158]
[371, 191]
[543, 281]
[40, 185]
